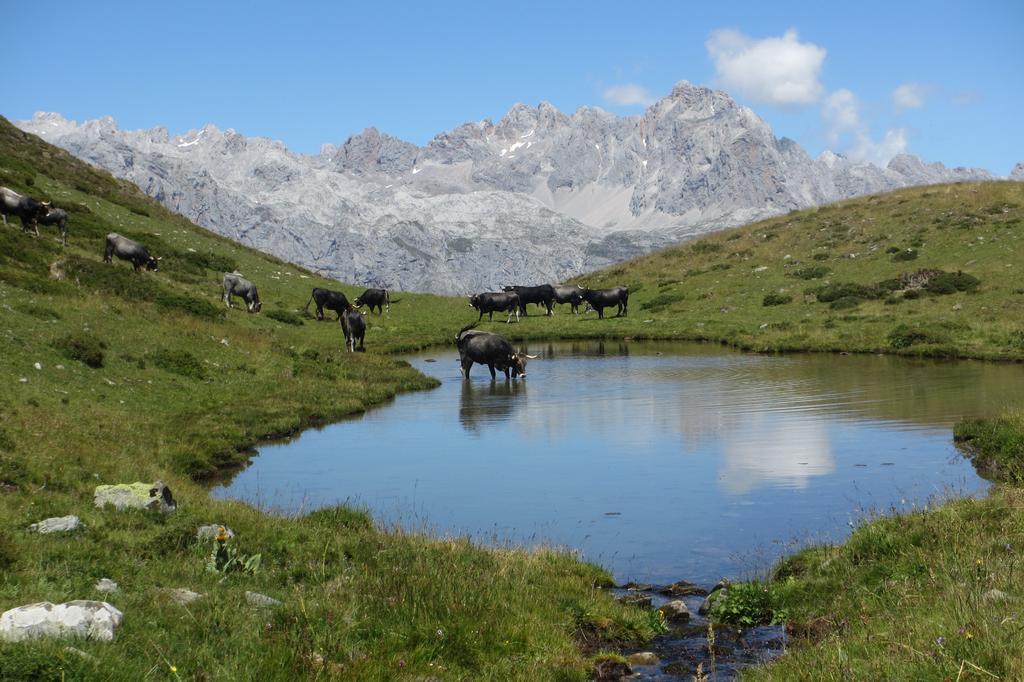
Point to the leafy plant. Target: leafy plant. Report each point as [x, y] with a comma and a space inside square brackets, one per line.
[82, 347]
[776, 299]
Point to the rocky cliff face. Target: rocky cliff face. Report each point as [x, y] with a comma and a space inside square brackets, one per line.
[538, 196]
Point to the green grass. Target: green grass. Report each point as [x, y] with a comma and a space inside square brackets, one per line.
[147, 376]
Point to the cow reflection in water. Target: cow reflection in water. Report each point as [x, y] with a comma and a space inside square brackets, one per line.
[489, 403]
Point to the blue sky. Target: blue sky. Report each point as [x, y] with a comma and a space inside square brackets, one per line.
[944, 80]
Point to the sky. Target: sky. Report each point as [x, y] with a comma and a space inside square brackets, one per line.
[943, 80]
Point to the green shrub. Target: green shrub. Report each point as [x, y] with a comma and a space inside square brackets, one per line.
[706, 246]
[846, 302]
[812, 272]
[950, 282]
[911, 294]
[834, 292]
[776, 299]
[83, 347]
[905, 336]
[893, 300]
[909, 254]
[719, 266]
[746, 605]
[340, 517]
[662, 301]
[179, 362]
[187, 304]
[893, 249]
[821, 256]
[285, 316]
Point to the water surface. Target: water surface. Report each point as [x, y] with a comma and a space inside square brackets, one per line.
[658, 460]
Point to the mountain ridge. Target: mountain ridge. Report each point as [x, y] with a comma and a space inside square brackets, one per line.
[537, 196]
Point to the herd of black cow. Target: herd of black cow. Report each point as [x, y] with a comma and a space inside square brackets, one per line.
[475, 346]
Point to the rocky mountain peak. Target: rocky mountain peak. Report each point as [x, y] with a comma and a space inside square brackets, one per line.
[1018, 172]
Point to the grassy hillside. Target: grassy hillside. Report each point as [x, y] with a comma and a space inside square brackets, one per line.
[114, 377]
[827, 279]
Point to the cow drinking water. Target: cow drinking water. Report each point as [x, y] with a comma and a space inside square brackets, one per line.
[492, 350]
[236, 285]
[129, 250]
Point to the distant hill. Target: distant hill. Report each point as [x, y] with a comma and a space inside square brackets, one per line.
[538, 196]
[935, 270]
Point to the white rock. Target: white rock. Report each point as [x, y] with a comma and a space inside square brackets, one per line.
[135, 496]
[211, 531]
[106, 585]
[38, 365]
[675, 610]
[79, 618]
[257, 599]
[180, 595]
[57, 524]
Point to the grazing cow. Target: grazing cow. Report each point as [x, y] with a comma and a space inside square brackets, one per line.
[541, 295]
[492, 350]
[326, 298]
[354, 327]
[492, 301]
[569, 293]
[26, 208]
[58, 217]
[236, 285]
[374, 297]
[129, 250]
[599, 299]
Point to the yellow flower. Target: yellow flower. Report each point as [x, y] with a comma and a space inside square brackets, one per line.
[977, 562]
[174, 668]
[222, 534]
[969, 635]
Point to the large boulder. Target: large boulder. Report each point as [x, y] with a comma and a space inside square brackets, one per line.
[675, 611]
[79, 618]
[57, 524]
[156, 496]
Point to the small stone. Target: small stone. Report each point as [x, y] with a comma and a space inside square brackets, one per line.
[80, 618]
[995, 595]
[179, 595]
[136, 496]
[958, 306]
[636, 599]
[257, 599]
[674, 611]
[38, 365]
[23, 380]
[105, 585]
[210, 531]
[643, 658]
[57, 524]
[682, 588]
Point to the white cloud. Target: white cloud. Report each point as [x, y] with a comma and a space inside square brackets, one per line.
[966, 98]
[629, 94]
[841, 114]
[879, 153]
[910, 96]
[779, 70]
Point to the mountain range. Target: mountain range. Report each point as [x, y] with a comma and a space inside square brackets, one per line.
[538, 196]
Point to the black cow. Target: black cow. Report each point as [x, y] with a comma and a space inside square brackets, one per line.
[569, 293]
[58, 217]
[599, 299]
[492, 350]
[378, 298]
[354, 327]
[26, 208]
[492, 301]
[541, 295]
[236, 285]
[326, 298]
[129, 250]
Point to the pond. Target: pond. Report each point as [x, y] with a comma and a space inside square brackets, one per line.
[659, 461]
